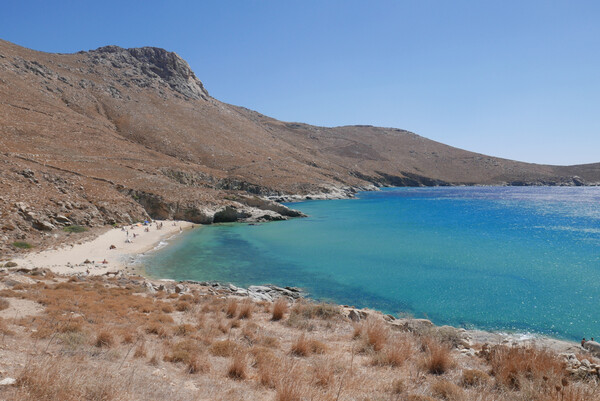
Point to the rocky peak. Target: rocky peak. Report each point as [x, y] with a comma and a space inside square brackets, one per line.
[155, 63]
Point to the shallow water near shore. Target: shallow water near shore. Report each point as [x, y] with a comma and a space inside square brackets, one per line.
[521, 259]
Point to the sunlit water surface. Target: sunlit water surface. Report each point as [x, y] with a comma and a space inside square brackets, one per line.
[524, 259]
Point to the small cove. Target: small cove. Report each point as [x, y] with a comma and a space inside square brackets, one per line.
[518, 259]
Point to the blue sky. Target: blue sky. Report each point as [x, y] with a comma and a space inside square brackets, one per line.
[516, 79]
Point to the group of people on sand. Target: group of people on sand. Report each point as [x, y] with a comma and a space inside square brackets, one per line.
[583, 341]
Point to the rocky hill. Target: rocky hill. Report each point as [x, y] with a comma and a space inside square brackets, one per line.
[117, 135]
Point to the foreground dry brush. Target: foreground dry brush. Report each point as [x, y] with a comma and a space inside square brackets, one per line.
[110, 339]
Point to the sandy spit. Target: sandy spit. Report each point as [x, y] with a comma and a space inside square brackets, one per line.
[70, 259]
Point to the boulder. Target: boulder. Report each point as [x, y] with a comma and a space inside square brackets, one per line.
[179, 288]
[352, 315]
[8, 381]
[43, 225]
[593, 347]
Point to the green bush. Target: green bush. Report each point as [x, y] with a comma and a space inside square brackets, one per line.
[74, 229]
[22, 245]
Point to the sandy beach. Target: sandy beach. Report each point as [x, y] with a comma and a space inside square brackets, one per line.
[101, 258]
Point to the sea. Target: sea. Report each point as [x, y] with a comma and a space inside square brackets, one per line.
[506, 259]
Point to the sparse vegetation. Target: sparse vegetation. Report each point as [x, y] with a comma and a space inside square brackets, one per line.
[99, 328]
[280, 307]
[75, 229]
[22, 245]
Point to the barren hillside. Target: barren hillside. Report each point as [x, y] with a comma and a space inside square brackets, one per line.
[117, 135]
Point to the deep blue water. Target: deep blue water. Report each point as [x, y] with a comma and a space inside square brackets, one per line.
[524, 259]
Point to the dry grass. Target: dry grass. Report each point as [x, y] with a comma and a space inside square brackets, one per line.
[246, 309]
[447, 390]
[512, 365]
[474, 377]
[60, 380]
[304, 346]
[280, 308]
[376, 334]
[4, 304]
[266, 358]
[438, 358]
[231, 308]
[238, 368]
[224, 348]
[395, 353]
[104, 339]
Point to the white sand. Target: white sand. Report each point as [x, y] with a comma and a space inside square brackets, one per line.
[70, 259]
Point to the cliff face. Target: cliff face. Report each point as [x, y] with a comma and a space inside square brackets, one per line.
[117, 135]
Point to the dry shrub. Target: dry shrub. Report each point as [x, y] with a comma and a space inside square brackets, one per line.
[182, 351]
[4, 304]
[60, 379]
[154, 361]
[267, 365]
[398, 386]
[474, 377]
[186, 298]
[301, 347]
[140, 351]
[395, 353]
[510, 365]
[231, 308]
[438, 358]
[311, 310]
[304, 346]
[234, 324]
[4, 330]
[197, 364]
[280, 307]
[104, 339]
[323, 372]
[357, 330]
[246, 309]
[166, 308]
[159, 329]
[289, 389]
[183, 306]
[184, 330]
[224, 348]
[376, 332]
[127, 338]
[71, 326]
[447, 390]
[237, 368]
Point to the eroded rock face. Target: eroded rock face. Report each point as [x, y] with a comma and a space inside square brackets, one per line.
[154, 63]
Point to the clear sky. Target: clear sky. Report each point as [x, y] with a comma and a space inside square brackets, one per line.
[516, 79]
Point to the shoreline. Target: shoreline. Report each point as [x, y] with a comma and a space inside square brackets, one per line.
[95, 257]
[71, 260]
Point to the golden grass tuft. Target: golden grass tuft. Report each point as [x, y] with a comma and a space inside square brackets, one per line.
[474, 377]
[447, 390]
[376, 332]
[104, 339]
[224, 348]
[510, 365]
[246, 309]
[231, 308]
[183, 306]
[238, 367]
[4, 304]
[394, 354]
[438, 358]
[280, 307]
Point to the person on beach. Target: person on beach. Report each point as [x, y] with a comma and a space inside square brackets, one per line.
[583, 342]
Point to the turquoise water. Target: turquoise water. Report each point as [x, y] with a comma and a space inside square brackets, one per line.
[524, 259]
